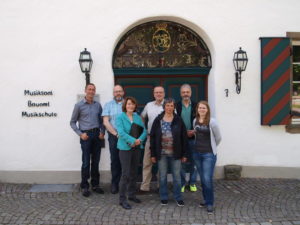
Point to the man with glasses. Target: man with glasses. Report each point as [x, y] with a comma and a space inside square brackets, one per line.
[151, 111]
[110, 112]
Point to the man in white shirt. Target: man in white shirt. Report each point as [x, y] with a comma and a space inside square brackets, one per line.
[151, 111]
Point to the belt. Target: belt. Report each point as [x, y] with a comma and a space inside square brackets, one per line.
[91, 130]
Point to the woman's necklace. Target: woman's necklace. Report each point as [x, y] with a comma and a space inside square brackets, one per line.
[168, 118]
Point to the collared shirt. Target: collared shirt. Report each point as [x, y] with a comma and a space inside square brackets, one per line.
[87, 115]
[112, 109]
[152, 110]
[186, 116]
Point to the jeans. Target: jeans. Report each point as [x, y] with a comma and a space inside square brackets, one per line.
[91, 151]
[205, 163]
[129, 161]
[175, 166]
[115, 165]
[190, 166]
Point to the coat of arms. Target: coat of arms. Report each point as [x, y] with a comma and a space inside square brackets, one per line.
[161, 39]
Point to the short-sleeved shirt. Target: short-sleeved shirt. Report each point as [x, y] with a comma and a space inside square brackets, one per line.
[112, 109]
[166, 139]
[152, 110]
[186, 116]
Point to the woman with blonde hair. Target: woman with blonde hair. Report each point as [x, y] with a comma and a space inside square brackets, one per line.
[207, 137]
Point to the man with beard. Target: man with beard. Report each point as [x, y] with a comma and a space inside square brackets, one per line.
[110, 112]
[186, 110]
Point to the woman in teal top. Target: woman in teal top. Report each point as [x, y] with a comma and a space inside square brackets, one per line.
[129, 153]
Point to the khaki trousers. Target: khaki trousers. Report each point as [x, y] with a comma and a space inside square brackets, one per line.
[147, 167]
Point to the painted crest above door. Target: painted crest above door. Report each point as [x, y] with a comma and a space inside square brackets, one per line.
[161, 44]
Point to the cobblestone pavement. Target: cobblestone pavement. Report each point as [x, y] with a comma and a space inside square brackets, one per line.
[243, 202]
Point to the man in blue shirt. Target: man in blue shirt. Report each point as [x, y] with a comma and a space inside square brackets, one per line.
[87, 113]
[110, 112]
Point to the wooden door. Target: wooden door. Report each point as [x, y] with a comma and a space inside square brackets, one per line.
[142, 87]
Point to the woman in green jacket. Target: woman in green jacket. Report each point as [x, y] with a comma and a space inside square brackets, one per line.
[129, 147]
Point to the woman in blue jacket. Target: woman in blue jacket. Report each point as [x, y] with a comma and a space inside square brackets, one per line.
[129, 150]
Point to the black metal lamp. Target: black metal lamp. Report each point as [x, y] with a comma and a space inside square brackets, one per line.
[86, 62]
[240, 61]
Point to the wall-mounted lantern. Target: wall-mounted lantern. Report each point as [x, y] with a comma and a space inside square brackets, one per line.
[86, 62]
[240, 61]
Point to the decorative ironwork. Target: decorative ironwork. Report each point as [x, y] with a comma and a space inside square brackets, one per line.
[161, 44]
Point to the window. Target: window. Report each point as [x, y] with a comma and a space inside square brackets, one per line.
[296, 82]
[280, 81]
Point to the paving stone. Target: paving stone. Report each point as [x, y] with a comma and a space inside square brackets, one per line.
[286, 223]
[242, 202]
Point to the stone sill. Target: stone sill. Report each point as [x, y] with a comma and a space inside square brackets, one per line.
[293, 128]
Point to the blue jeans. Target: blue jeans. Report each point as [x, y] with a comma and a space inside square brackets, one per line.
[115, 164]
[190, 166]
[175, 166]
[205, 163]
[91, 151]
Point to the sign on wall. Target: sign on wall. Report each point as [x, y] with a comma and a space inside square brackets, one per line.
[35, 104]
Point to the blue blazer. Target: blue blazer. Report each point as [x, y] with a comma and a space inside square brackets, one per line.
[123, 124]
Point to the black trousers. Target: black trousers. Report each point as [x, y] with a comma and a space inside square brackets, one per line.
[115, 165]
[129, 160]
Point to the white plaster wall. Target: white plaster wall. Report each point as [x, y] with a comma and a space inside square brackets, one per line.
[39, 50]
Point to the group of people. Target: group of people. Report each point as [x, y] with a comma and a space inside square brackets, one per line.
[176, 134]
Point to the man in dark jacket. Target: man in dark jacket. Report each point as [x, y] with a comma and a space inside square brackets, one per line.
[186, 109]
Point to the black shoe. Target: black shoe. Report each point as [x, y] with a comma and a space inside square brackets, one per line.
[180, 203]
[98, 190]
[164, 202]
[142, 192]
[86, 192]
[134, 199]
[125, 205]
[114, 189]
[202, 204]
[210, 209]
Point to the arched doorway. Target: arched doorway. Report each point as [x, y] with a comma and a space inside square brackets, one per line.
[161, 53]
